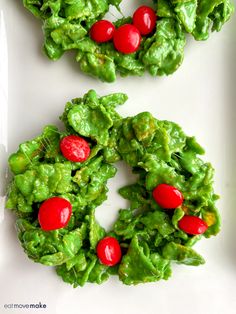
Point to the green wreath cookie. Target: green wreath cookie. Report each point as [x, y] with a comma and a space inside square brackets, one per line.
[60, 178]
[148, 41]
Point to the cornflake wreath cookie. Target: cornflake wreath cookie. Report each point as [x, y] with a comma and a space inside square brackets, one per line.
[153, 39]
[60, 178]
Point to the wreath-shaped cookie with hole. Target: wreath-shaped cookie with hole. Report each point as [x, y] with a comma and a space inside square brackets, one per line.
[60, 177]
[153, 39]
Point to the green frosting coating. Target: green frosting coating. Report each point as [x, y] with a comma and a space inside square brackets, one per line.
[66, 26]
[158, 152]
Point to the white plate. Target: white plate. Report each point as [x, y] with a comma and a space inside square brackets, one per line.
[200, 96]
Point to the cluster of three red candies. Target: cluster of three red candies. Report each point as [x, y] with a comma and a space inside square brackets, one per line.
[126, 38]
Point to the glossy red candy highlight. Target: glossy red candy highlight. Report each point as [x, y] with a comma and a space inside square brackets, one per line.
[74, 148]
[192, 225]
[144, 19]
[54, 213]
[167, 196]
[102, 31]
[109, 251]
[127, 38]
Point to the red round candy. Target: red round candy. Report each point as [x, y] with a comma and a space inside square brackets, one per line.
[54, 213]
[74, 148]
[127, 38]
[102, 31]
[109, 251]
[144, 19]
[192, 225]
[167, 196]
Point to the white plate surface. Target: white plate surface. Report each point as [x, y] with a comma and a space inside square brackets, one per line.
[200, 96]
